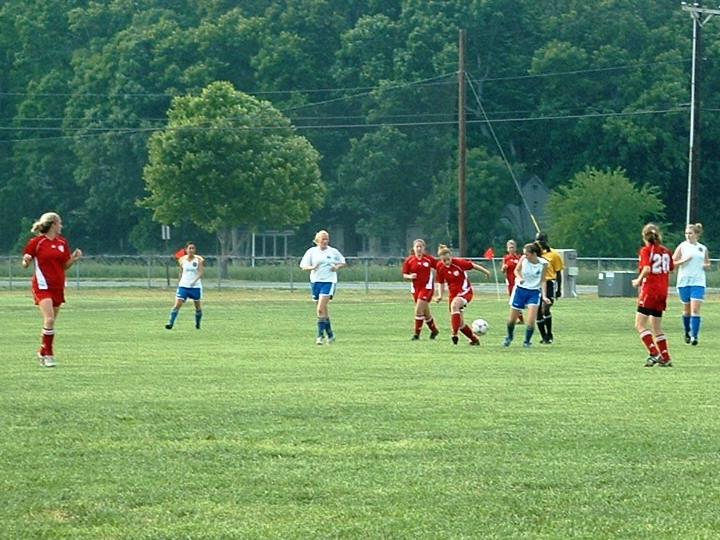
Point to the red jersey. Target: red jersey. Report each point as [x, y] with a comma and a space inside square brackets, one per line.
[510, 262]
[422, 267]
[455, 276]
[49, 258]
[659, 259]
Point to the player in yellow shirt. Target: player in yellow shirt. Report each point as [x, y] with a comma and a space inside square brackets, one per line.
[553, 280]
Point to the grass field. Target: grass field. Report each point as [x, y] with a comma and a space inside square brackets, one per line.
[246, 429]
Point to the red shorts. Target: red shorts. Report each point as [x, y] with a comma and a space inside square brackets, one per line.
[652, 300]
[511, 286]
[467, 296]
[423, 294]
[56, 295]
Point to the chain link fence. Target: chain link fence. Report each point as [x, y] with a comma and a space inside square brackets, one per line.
[368, 273]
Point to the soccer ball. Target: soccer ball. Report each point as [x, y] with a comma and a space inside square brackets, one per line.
[480, 326]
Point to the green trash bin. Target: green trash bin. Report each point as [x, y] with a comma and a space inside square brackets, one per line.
[616, 284]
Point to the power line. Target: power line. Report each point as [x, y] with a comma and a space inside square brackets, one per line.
[366, 89]
[502, 154]
[97, 132]
[580, 71]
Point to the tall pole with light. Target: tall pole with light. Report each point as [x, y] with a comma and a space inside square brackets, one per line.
[700, 16]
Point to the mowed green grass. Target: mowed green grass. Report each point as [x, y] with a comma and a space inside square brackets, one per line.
[247, 429]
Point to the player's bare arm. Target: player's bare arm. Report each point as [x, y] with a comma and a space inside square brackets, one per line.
[643, 274]
[26, 260]
[76, 255]
[481, 269]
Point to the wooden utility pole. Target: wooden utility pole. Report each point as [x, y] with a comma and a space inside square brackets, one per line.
[462, 150]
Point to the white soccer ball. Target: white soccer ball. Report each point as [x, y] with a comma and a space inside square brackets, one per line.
[480, 326]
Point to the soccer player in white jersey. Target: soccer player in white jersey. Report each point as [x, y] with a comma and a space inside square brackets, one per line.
[192, 268]
[323, 262]
[529, 292]
[692, 259]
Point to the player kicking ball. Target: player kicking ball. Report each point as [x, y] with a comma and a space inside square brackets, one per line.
[192, 268]
[453, 271]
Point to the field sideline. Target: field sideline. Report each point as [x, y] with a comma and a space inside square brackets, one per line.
[247, 429]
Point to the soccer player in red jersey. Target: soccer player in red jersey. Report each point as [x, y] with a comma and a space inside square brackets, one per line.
[52, 256]
[510, 261]
[656, 263]
[453, 271]
[418, 268]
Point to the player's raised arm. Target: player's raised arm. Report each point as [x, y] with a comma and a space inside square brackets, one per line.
[481, 268]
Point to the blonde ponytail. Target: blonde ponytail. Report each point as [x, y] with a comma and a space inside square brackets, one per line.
[44, 222]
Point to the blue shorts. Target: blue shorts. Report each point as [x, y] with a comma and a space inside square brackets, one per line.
[691, 292]
[522, 298]
[322, 288]
[193, 293]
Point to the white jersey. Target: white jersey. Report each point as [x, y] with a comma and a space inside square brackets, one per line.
[323, 259]
[190, 271]
[532, 273]
[692, 272]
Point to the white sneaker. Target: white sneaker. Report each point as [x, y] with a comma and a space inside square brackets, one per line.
[319, 341]
[331, 339]
[48, 361]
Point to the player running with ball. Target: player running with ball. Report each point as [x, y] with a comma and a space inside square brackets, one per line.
[656, 263]
[418, 268]
[50, 252]
[453, 271]
[323, 262]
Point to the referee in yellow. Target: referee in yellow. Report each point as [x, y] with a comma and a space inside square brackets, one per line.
[553, 281]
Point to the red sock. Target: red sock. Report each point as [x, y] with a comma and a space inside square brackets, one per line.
[469, 333]
[647, 339]
[456, 319]
[662, 344]
[418, 325]
[431, 324]
[47, 342]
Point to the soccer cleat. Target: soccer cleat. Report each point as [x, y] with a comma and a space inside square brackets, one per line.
[507, 341]
[48, 361]
[662, 363]
[197, 326]
[168, 326]
[475, 343]
[694, 341]
[454, 340]
[434, 334]
[527, 344]
[547, 341]
[652, 360]
[687, 337]
[319, 341]
[331, 339]
[415, 338]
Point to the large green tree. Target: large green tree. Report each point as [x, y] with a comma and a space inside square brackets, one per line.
[601, 213]
[228, 160]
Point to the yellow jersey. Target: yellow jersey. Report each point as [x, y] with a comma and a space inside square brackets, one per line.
[555, 264]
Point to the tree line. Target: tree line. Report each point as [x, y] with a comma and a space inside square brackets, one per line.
[579, 93]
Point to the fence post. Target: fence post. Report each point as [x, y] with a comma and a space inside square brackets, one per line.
[218, 265]
[292, 276]
[367, 276]
[149, 271]
[10, 275]
[77, 275]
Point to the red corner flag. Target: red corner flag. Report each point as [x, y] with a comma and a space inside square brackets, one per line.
[180, 253]
[489, 254]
